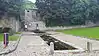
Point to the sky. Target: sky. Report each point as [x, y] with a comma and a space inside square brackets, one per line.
[33, 1]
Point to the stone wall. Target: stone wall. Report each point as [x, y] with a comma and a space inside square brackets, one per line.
[14, 24]
[11, 22]
[31, 16]
[33, 26]
[32, 19]
[68, 27]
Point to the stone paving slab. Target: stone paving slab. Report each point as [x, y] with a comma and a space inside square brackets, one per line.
[30, 45]
[10, 47]
[76, 54]
[76, 40]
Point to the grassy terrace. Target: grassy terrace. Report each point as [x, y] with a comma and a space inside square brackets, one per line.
[86, 32]
[11, 38]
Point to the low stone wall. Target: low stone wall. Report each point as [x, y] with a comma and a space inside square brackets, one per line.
[68, 27]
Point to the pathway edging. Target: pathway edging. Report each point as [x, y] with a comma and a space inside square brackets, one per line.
[12, 49]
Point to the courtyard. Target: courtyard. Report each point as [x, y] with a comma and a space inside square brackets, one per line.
[49, 28]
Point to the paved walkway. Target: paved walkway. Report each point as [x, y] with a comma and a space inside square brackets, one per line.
[30, 46]
[76, 40]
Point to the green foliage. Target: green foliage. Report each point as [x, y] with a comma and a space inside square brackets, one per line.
[52, 11]
[84, 10]
[68, 12]
[28, 5]
[10, 8]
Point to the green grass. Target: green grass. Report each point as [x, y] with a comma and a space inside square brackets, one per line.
[18, 33]
[11, 38]
[85, 32]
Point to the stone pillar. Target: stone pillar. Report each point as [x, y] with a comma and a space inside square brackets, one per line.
[51, 48]
[13, 23]
[89, 46]
[17, 25]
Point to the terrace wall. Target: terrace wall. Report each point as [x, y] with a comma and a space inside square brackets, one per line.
[68, 27]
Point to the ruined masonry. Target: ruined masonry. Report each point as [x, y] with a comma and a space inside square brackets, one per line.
[32, 19]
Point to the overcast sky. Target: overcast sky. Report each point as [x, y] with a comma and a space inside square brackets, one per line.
[33, 1]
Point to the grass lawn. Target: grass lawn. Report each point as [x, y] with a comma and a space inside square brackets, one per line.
[11, 38]
[86, 32]
[18, 32]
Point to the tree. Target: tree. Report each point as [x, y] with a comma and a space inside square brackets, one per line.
[54, 11]
[84, 10]
[67, 12]
[10, 7]
[28, 5]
